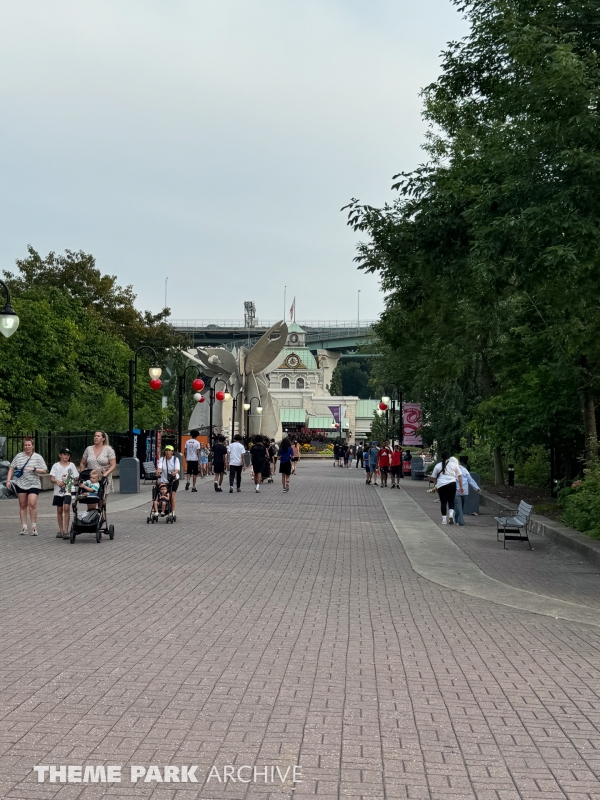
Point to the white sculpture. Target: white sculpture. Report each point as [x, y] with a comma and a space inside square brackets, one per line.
[241, 369]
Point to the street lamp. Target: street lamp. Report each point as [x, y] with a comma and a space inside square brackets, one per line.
[197, 385]
[155, 383]
[394, 397]
[259, 410]
[9, 321]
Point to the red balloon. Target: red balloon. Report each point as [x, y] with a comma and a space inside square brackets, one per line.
[382, 407]
[198, 385]
[220, 395]
[337, 424]
[202, 399]
[155, 384]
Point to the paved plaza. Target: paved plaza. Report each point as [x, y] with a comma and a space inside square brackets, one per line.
[278, 630]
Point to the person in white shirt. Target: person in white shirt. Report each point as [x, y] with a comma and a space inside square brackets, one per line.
[169, 468]
[64, 476]
[460, 500]
[236, 452]
[447, 474]
[192, 455]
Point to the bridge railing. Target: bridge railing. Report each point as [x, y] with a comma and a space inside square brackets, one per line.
[236, 324]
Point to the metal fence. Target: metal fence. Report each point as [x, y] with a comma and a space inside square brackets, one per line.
[49, 443]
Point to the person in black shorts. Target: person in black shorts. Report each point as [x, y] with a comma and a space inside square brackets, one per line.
[219, 460]
[259, 456]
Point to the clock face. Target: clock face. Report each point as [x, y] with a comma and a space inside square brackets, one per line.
[294, 338]
[292, 361]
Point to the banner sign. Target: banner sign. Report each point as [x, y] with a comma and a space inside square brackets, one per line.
[412, 425]
[336, 411]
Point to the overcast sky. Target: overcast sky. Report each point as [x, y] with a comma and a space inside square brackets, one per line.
[212, 142]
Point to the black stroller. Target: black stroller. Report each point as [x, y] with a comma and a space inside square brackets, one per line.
[166, 510]
[93, 520]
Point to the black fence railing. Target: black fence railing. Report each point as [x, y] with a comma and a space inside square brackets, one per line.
[49, 443]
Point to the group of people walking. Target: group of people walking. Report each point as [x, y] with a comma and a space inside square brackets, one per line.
[27, 467]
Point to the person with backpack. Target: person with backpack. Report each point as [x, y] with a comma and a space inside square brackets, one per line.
[447, 475]
[258, 454]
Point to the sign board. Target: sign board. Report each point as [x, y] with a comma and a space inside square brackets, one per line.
[412, 425]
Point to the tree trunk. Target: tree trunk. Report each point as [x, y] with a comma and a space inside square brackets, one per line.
[498, 471]
[588, 412]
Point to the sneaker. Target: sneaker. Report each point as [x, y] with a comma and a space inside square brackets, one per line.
[187, 486]
[34, 529]
[24, 530]
[258, 488]
[216, 487]
[231, 490]
[444, 520]
[219, 489]
[194, 489]
[239, 490]
[451, 518]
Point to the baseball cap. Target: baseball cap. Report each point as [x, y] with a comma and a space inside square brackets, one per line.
[169, 447]
[64, 450]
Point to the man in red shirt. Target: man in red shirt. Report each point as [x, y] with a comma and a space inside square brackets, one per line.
[383, 462]
[396, 466]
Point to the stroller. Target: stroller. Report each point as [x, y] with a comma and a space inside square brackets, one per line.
[92, 521]
[167, 510]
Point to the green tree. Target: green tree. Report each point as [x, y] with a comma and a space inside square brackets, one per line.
[490, 256]
[336, 387]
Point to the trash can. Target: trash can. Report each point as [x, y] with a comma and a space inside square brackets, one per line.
[471, 505]
[129, 475]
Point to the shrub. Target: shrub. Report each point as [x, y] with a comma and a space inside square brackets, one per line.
[581, 504]
[535, 471]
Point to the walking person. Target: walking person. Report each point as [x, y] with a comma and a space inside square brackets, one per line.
[384, 456]
[259, 457]
[203, 461]
[23, 475]
[220, 459]
[236, 452]
[63, 475]
[467, 481]
[169, 468]
[295, 457]
[372, 456]
[336, 454]
[359, 456]
[100, 455]
[396, 466]
[350, 456]
[285, 456]
[192, 459]
[446, 475]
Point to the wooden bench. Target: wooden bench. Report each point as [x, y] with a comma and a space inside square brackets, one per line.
[150, 472]
[514, 524]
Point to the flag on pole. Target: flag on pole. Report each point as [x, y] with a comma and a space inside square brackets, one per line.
[336, 413]
[293, 311]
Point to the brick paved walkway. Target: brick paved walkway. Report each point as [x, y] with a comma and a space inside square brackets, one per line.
[280, 629]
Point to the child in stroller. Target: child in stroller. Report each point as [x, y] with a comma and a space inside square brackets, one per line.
[162, 503]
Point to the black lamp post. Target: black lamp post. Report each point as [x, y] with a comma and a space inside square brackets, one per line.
[234, 411]
[248, 408]
[388, 398]
[9, 321]
[155, 383]
[214, 394]
[180, 393]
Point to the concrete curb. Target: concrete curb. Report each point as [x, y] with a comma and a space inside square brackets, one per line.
[554, 531]
[434, 556]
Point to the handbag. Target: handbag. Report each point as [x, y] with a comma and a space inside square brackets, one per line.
[18, 473]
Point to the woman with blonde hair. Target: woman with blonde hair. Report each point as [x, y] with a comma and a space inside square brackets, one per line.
[100, 456]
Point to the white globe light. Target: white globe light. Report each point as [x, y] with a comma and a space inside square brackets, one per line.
[155, 372]
[386, 400]
[246, 406]
[9, 322]
[259, 409]
[227, 396]
[197, 397]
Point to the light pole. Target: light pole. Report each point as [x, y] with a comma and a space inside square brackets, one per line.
[197, 386]
[234, 411]
[214, 394]
[259, 410]
[155, 383]
[9, 321]
[390, 397]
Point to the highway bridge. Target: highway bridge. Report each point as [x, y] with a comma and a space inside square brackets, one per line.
[339, 335]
